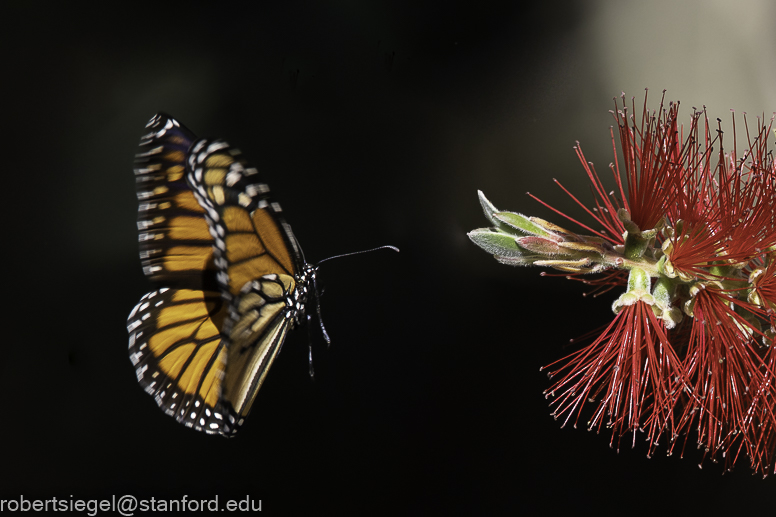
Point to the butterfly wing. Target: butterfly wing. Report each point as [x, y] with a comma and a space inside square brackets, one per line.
[176, 347]
[175, 333]
[261, 269]
[175, 242]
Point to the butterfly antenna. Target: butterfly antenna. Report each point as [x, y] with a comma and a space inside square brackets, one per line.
[318, 294]
[394, 248]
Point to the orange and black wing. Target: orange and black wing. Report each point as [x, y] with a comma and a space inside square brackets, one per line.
[250, 235]
[179, 357]
[261, 271]
[175, 242]
[175, 332]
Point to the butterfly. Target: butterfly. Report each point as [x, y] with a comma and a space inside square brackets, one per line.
[234, 279]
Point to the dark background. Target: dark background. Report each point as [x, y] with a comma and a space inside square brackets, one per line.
[373, 125]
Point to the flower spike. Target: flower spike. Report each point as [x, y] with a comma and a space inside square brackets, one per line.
[688, 232]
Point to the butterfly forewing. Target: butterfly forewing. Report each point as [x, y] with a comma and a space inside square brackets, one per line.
[251, 238]
[175, 242]
[258, 262]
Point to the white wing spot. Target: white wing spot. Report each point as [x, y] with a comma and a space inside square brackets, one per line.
[232, 178]
[216, 146]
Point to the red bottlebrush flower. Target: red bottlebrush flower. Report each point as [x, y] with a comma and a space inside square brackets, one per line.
[761, 421]
[726, 211]
[724, 368]
[764, 416]
[690, 352]
[630, 372]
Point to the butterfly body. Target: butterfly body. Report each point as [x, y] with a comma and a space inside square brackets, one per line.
[234, 278]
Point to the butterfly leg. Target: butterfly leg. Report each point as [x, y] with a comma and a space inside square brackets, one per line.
[310, 347]
[318, 311]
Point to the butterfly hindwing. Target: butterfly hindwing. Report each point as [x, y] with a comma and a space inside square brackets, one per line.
[176, 347]
[259, 319]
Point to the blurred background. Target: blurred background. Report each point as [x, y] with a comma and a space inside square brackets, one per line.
[374, 123]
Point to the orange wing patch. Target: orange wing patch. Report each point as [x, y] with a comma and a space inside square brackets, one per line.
[271, 235]
[175, 335]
